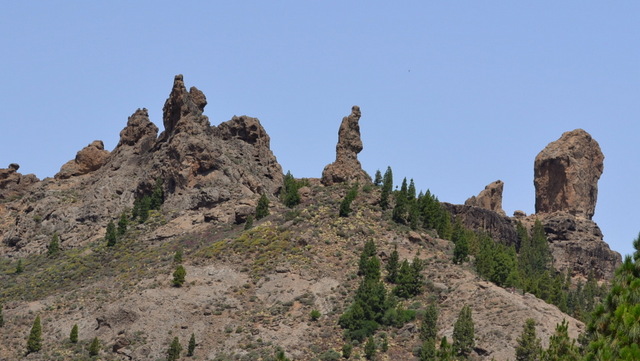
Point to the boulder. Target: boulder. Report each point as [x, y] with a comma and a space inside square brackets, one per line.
[88, 159]
[490, 198]
[14, 184]
[566, 174]
[347, 168]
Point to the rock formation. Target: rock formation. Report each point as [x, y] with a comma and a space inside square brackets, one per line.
[347, 168]
[87, 160]
[489, 198]
[566, 179]
[208, 173]
[497, 225]
[12, 183]
[566, 175]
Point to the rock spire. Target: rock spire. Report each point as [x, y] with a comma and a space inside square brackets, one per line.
[489, 198]
[347, 168]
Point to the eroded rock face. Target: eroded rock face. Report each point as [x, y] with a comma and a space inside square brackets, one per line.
[497, 225]
[566, 174]
[489, 198]
[347, 168]
[12, 183]
[87, 160]
[203, 169]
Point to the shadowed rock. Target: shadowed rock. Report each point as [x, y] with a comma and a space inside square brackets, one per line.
[566, 174]
[347, 168]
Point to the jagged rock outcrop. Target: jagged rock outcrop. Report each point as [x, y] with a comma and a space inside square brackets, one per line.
[207, 172]
[88, 159]
[12, 183]
[489, 198]
[347, 168]
[566, 174]
[500, 227]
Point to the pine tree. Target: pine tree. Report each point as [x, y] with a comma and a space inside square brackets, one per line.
[614, 331]
[54, 245]
[1, 316]
[400, 209]
[445, 352]
[461, 241]
[262, 209]
[370, 348]
[34, 343]
[73, 336]
[291, 197]
[411, 191]
[393, 265]
[463, 333]
[377, 179]
[94, 348]
[387, 187]
[157, 195]
[19, 267]
[192, 345]
[345, 206]
[346, 350]
[249, 223]
[561, 347]
[528, 348]
[111, 236]
[177, 257]
[123, 223]
[179, 276]
[173, 353]
[429, 328]
[428, 350]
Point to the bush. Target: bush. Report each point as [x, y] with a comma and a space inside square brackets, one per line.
[330, 355]
[346, 350]
[111, 236]
[345, 206]
[173, 353]
[54, 245]
[315, 315]
[179, 276]
[370, 348]
[192, 345]
[262, 209]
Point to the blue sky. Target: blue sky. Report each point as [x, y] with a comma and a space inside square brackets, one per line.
[453, 94]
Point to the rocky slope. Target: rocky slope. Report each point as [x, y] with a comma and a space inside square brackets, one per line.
[247, 292]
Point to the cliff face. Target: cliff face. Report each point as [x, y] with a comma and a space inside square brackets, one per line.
[216, 171]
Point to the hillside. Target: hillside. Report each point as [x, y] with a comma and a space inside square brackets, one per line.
[250, 291]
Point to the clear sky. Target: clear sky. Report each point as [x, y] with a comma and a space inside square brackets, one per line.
[453, 94]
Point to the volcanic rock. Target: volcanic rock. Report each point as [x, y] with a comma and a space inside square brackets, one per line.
[490, 198]
[566, 175]
[12, 183]
[496, 225]
[347, 168]
[139, 129]
[87, 160]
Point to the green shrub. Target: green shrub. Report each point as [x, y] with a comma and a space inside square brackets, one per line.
[34, 342]
[179, 276]
[346, 350]
[94, 348]
[315, 315]
[73, 336]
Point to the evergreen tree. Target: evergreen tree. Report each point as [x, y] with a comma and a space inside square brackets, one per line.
[192, 345]
[387, 187]
[19, 267]
[177, 257]
[73, 336]
[561, 347]
[34, 342]
[54, 245]
[157, 195]
[428, 350]
[345, 206]
[94, 348]
[411, 191]
[280, 356]
[429, 328]
[461, 241]
[528, 348]
[370, 348]
[1, 316]
[410, 279]
[614, 330]
[445, 352]
[111, 236]
[249, 223]
[262, 209]
[400, 209]
[346, 350]
[141, 207]
[123, 223]
[179, 276]
[463, 333]
[393, 265]
[368, 252]
[173, 353]
[291, 197]
[377, 179]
